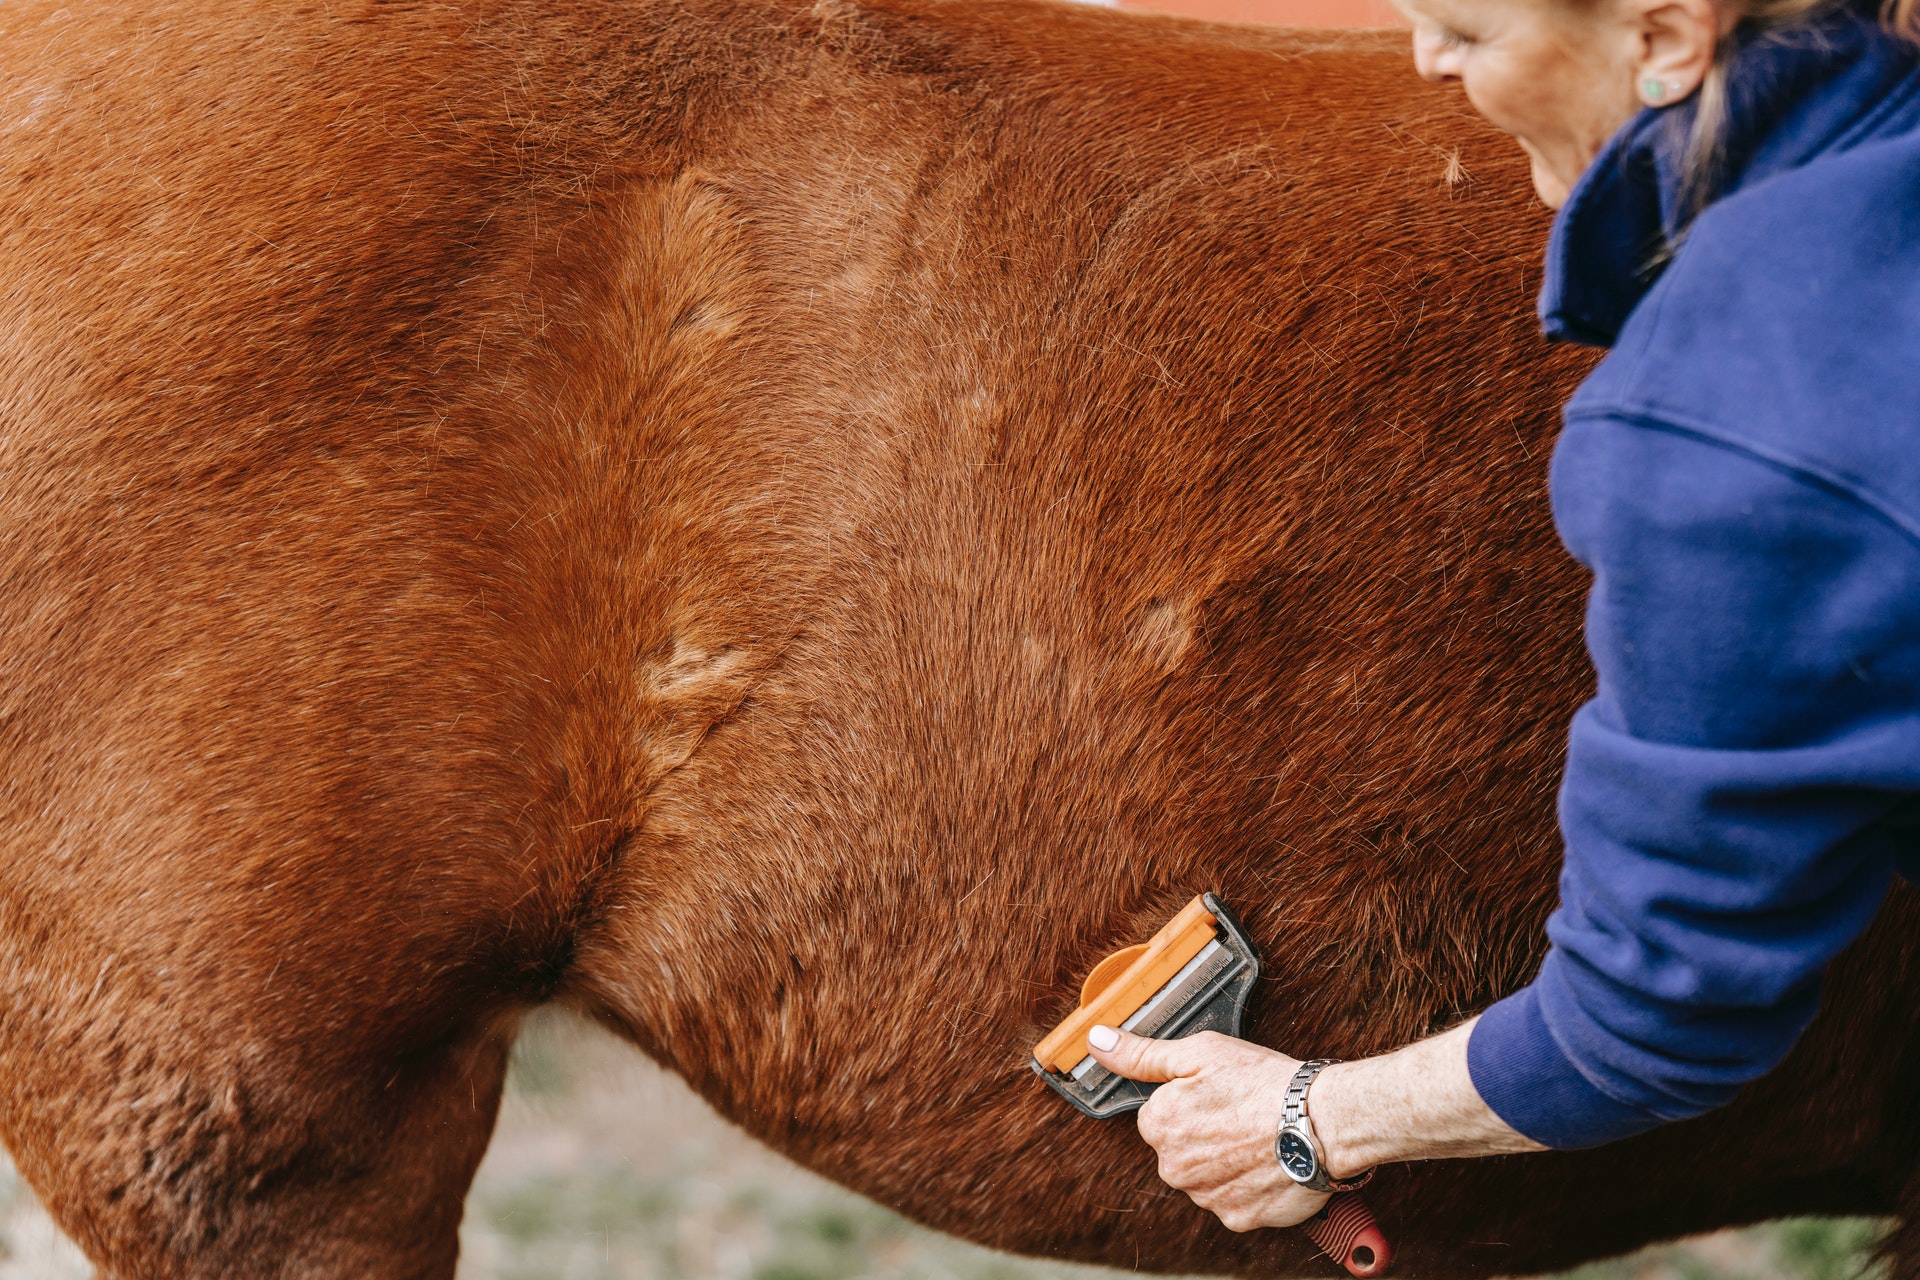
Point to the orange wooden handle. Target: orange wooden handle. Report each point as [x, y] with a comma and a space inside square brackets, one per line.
[1124, 981]
[1346, 1232]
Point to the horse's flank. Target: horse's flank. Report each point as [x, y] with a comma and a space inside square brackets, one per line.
[794, 530]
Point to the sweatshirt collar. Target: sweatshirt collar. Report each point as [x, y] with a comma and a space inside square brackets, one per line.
[1791, 96]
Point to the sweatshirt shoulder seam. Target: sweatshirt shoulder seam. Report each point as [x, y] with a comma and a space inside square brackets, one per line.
[1808, 471]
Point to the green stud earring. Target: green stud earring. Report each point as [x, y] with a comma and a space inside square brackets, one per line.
[1653, 90]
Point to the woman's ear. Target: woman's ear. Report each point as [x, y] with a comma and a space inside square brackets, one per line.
[1677, 40]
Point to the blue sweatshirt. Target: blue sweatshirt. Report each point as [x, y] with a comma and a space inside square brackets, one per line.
[1742, 475]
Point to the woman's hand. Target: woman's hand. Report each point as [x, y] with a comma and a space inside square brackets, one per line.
[1214, 1120]
[1213, 1123]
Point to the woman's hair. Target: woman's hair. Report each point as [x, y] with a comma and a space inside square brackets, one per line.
[1759, 17]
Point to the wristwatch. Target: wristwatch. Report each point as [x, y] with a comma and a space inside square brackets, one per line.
[1297, 1147]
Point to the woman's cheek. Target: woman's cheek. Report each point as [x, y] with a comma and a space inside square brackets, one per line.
[1484, 91]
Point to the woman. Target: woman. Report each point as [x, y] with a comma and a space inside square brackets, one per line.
[1739, 192]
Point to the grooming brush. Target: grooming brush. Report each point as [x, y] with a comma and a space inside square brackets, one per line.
[1194, 975]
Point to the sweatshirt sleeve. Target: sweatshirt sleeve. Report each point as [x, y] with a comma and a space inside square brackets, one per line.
[1729, 804]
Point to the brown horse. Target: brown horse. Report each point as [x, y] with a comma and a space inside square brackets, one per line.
[792, 528]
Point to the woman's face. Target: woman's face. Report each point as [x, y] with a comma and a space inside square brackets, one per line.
[1559, 76]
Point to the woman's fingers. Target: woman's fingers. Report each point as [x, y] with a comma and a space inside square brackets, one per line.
[1212, 1127]
[1139, 1058]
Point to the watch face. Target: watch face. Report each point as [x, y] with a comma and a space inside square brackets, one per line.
[1296, 1155]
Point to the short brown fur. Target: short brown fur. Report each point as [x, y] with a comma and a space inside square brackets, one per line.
[794, 529]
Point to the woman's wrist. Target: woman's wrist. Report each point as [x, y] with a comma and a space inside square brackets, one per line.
[1346, 1148]
[1418, 1103]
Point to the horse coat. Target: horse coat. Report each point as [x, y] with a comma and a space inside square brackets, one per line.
[792, 528]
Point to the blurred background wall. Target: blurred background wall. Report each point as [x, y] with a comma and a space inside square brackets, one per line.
[1285, 13]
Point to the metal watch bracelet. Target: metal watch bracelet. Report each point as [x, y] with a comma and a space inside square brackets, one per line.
[1294, 1120]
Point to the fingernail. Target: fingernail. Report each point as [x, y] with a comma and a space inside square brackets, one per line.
[1103, 1038]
